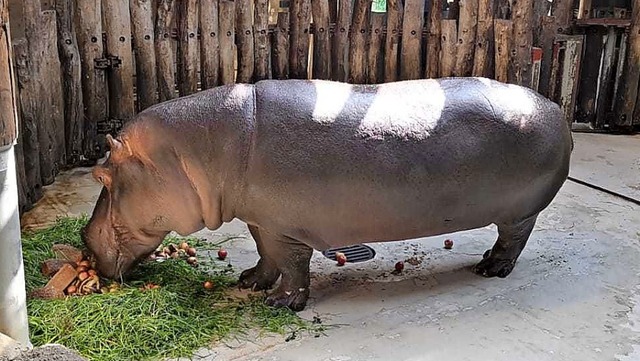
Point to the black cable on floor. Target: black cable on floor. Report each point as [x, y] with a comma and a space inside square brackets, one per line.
[615, 194]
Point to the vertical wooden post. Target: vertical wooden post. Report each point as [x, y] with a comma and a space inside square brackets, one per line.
[8, 116]
[209, 44]
[88, 26]
[321, 41]
[603, 102]
[503, 30]
[187, 63]
[448, 41]
[72, 82]
[227, 41]
[395, 11]
[434, 45]
[117, 21]
[261, 24]
[562, 10]
[146, 79]
[484, 53]
[375, 73]
[244, 35]
[411, 51]
[300, 19]
[628, 99]
[588, 80]
[521, 64]
[547, 38]
[164, 50]
[584, 9]
[340, 46]
[358, 48]
[280, 54]
[467, 29]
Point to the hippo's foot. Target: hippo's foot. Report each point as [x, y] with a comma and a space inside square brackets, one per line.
[295, 300]
[494, 267]
[261, 277]
[500, 260]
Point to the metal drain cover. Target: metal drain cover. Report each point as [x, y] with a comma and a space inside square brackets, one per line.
[356, 253]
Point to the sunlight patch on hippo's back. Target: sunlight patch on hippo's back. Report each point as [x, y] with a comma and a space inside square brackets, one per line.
[331, 99]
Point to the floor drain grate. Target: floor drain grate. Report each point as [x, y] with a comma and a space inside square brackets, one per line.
[357, 253]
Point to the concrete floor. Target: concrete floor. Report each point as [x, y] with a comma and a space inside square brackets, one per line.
[573, 295]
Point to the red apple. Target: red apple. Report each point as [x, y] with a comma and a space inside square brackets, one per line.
[399, 266]
[448, 244]
[341, 258]
[222, 254]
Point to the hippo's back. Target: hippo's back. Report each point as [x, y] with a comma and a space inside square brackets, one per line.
[436, 155]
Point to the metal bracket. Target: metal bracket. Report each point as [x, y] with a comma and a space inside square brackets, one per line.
[111, 61]
[109, 126]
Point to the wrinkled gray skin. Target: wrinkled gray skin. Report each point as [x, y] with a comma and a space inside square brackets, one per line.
[316, 164]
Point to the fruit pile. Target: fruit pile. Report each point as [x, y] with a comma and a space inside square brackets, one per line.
[183, 251]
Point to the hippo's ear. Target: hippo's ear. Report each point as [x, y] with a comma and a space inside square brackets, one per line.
[114, 144]
[119, 149]
[102, 175]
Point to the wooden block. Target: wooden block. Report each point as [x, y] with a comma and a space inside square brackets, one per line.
[280, 52]
[62, 278]
[67, 253]
[300, 20]
[46, 292]
[433, 41]
[411, 50]
[321, 40]
[261, 40]
[209, 44]
[52, 266]
[143, 43]
[448, 40]
[467, 29]
[395, 12]
[88, 28]
[244, 36]
[340, 45]
[358, 47]
[164, 50]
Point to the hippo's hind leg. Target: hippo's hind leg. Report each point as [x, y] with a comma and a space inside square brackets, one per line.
[512, 238]
[264, 274]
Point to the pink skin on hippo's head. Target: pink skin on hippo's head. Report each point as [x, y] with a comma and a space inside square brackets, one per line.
[138, 206]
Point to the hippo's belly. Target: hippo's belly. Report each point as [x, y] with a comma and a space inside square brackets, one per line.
[331, 166]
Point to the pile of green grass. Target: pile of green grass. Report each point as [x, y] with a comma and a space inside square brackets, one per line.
[131, 324]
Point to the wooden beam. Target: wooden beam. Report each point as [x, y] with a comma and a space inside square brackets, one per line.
[321, 39]
[395, 11]
[628, 99]
[467, 28]
[145, 54]
[433, 41]
[299, 19]
[340, 45]
[411, 50]
[164, 50]
[358, 48]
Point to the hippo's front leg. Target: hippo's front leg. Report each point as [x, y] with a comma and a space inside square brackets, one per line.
[292, 258]
[264, 274]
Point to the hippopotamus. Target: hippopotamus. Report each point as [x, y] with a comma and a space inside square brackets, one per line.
[317, 164]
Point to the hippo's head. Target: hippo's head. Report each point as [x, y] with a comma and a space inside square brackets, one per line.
[143, 198]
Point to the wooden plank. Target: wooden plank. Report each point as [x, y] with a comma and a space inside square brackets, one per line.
[117, 25]
[547, 36]
[261, 24]
[584, 9]
[358, 60]
[187, 58]
[51, 116]
[540, 10]
[503, 9]
[227, 41]
[411, 50]
[454, 9]
[143, 43]
[503, 30]
[72, 82]
[628, 98]
[164, 50]
[467, 29]
[433, 41]
[300, 19]
[449, 39]
[395, 11]
[520, 66]
[620, 68]
[321, 41]
[569, 79]
[280, 53]
[340, 45]
[588, 79]
[28, 104]
[484, 51]
[244, 38]
[209, 44]
[375, 72]
[88, 27]
[562, 10]
[8, 116]
[333, 11]
[605, 90]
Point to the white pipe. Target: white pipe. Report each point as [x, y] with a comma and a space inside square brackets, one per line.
[13, 298]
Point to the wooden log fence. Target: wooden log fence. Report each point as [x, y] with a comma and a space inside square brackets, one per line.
[87, 67]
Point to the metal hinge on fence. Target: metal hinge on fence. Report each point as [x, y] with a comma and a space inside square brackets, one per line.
[109, 126]
[111, 61]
